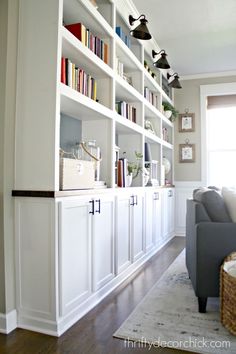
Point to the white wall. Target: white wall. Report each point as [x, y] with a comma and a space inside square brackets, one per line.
[8, 39]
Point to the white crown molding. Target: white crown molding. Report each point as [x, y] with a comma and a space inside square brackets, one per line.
[208, 75]
[8, 322]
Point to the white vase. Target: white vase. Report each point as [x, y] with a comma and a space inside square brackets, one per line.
[146, 175]
[129, 179]
[168, 114]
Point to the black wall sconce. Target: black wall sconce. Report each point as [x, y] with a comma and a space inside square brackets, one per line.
[174, 83]
[141, 31]
[162, 62]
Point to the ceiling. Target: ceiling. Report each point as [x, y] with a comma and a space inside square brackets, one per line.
[199, 36]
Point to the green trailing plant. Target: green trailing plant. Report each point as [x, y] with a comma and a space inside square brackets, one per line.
[169, 107]
[135, 167]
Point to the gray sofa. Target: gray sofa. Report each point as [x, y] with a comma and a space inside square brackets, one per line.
[210, 237]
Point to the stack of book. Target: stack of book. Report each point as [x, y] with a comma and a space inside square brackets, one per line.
[126, 110]
[94, 43]
[78, 79]
[151, 97]
[122, 172]
[123, 36]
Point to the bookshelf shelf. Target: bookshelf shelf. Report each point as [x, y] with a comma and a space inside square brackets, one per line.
[83, 11]
[78, 106]
[127, 127]
[77, 52]
[127, 56]
[125, 91]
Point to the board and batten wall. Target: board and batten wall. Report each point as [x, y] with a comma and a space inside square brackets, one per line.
[188, 175]
[8, 55]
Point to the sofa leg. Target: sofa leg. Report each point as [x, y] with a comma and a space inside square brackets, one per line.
[202, 303]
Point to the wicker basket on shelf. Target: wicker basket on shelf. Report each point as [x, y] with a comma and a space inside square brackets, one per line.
[228, 297]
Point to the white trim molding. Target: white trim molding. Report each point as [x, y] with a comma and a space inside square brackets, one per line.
[8, 322]
[208, 75]
[205, 91]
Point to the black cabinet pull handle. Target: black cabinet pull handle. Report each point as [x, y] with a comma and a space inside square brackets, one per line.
[132, 200]
[92, 211]
[156, 196]
[99, 206]
[170, 193]
[136, 200]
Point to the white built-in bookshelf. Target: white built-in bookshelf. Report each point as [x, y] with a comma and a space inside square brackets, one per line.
[99, 120]
[74, 247]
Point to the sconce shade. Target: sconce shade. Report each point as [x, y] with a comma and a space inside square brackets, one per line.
[174, 83]
[162, 62]
[141, 31]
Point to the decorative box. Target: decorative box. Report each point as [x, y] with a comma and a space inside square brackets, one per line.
[76, 174]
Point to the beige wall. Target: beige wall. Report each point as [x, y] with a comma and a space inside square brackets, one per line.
[8, 42]
[189, 97]
[3, 46]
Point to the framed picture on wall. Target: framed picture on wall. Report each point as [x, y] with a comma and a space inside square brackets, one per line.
[186, 122]
[187, 153]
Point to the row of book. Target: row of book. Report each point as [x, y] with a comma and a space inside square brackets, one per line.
[151, 97]
[78, 79]
[122, 172]
[126, 110]
[94, 43]
[125, 38]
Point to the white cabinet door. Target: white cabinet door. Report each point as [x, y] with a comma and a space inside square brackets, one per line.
[157, 218]
[137, 226]
[168, 212]
[149, 220]
[123, 232]
[74, 253]
[172, 211]
[103, 241]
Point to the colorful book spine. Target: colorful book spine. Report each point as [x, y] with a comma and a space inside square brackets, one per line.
[125, 38]
[95, 44]
[126, 110]
[78, 79]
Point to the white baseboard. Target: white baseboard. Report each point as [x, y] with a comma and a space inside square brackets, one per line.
[8, 322]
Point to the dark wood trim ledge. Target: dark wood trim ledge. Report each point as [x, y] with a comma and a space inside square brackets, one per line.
[35, 194]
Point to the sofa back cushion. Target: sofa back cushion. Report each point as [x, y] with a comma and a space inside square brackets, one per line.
[213, 203]
[229, 195]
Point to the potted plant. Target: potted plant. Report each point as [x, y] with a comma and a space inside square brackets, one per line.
[134, 168]
[169, 111]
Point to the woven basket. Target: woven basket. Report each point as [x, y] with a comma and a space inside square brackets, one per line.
[228, 297]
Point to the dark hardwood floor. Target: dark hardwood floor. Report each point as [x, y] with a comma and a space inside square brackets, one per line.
[93, 333]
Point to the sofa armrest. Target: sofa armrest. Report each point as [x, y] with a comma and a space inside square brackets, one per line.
[214, 241]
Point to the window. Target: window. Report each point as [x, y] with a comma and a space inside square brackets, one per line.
[218, 134]
[221, 141]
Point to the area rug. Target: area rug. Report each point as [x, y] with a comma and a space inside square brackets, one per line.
[168, 317]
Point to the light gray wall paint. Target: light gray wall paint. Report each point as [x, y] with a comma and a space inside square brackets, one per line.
[189, 97]
[9, 31]
[3, 46]
[70, 132]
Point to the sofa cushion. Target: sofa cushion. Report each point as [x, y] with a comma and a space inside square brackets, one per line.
[229, 195]
[214, 204]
